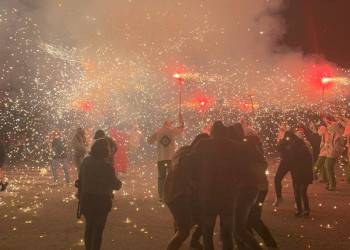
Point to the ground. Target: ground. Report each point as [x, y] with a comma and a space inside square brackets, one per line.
[37, 215]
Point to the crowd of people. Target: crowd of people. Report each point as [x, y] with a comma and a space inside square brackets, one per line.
[222, 173]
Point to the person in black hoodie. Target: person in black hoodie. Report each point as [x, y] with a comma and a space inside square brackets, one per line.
[97, 180]
[301, 170]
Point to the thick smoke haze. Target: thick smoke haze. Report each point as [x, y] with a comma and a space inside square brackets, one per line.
[120, 55]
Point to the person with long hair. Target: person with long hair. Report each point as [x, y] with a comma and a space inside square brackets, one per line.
[97, 182]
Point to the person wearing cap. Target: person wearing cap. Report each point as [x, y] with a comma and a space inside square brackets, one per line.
[79, 148]
[164, 138]
[59, 156]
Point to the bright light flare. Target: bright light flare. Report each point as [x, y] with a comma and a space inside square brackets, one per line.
[339, 80]
[177, 76]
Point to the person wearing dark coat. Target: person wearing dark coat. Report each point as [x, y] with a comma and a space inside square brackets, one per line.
[216, 161]
[112, 145]
[301, 171]
[182, 198]
[246, 191]
[97, 182]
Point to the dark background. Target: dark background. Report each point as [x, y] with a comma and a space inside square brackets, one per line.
[321, 27]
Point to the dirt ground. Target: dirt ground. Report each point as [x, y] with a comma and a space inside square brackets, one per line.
[37, 215]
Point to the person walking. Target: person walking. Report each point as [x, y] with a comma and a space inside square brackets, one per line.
[121, 156]
[59, 156]
[79, 148]
[301, 170]
[181, 197]
[164, 138]
[335, 147]
[283, 167]
[96, 182]
[259, 166]
[319, 166]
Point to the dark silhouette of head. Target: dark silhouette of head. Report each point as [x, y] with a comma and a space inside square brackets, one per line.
[100, 149]
[218, 129]
[99, 134]
[199, 137]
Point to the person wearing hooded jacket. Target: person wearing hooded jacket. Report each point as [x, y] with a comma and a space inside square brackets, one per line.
[216, 160]
[165, 142]
[97, 180]
[259, 166]
[301, 171]
[319, 165]
[247, 192]
[99, 134]
[334, 150]
[182, 197]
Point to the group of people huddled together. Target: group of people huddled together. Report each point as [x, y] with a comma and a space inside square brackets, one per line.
[224, 174]
[221, 174]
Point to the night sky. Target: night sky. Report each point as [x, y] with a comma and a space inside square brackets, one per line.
[321, 27]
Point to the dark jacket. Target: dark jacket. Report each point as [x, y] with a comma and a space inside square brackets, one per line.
[301, 165]
[58, 149]
[98, 180]
[177, 182]
[217, 160]
[259, 163]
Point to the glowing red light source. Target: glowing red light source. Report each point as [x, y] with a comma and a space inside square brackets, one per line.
[87, 105]
[177, 76]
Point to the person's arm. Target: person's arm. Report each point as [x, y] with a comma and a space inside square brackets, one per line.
[116, 184]
[152, 139]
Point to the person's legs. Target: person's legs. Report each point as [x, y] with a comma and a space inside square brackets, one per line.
[282, 170]
[181, 211]
[97, 232]
[65, 169]
[162, 171]
[297, 198]
[319, 167]
[244, 200]
[330, 162]
[255, 221]
[347, 172]
[196, 220]
[89, 224]
[226, 224]
[303, 191]
[209, 214]
[55, 164]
